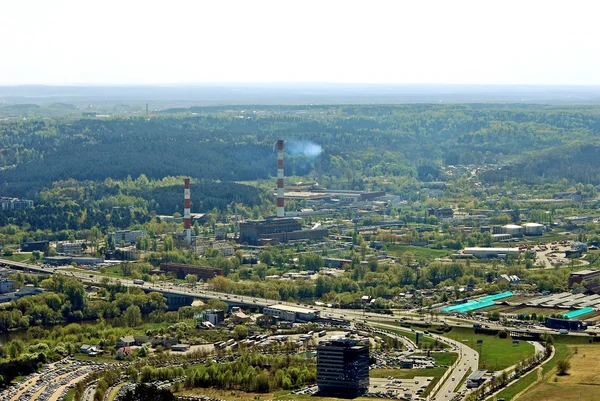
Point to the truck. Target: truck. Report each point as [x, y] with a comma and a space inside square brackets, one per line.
[139, 282]
[322, 333]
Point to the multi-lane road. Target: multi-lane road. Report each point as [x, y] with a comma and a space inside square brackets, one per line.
[467, 361]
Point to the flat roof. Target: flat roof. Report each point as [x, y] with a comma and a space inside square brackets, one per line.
[483, 249]
[477, 375]
[584, 272]
[290, 308]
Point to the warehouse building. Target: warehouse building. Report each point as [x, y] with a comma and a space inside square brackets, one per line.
[342, 368]
[491, 253]
[291, 313]
[583, 276]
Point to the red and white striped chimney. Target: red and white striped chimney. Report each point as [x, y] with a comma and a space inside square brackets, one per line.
[280, 185]
[187, 219]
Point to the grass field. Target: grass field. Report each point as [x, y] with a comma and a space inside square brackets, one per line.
[583, 381]
[496, 353]
[443, 358]
[418, 251]
[18, 257]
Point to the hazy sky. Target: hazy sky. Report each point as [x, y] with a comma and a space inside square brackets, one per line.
[368, 41]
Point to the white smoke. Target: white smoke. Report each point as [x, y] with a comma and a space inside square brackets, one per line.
[306, 148]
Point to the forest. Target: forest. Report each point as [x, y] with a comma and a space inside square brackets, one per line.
[236, 144]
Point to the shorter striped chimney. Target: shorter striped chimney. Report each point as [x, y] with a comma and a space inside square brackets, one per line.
[187, 218]
[280, 185]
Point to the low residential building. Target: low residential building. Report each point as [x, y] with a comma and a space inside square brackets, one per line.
[90, 350]
[239, 317]
[126, 341]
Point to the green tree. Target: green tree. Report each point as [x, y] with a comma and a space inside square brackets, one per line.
[133, 316]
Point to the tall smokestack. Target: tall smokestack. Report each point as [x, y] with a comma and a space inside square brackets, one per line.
[187, 219]
[280, 187]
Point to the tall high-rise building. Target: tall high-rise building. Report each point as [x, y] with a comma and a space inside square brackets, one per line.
[342, 368]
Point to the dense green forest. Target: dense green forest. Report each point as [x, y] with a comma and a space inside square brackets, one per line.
[233, 144]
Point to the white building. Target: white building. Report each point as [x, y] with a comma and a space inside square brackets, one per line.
[513, 229]
[533, 228]
[291, 313]
[69, 248]
[491, 253]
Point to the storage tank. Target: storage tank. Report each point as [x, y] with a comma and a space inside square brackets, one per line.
[512, 229]
[534, 229]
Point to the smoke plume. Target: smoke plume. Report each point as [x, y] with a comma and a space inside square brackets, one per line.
[306, 148]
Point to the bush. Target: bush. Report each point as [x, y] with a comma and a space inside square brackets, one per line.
[562, 367]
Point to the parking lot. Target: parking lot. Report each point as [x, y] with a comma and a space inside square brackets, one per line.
[396, 388]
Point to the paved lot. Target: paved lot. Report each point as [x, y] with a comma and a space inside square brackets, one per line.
[399, 387]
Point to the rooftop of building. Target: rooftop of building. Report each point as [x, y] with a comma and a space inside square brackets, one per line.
[584, 272]
[291, 308]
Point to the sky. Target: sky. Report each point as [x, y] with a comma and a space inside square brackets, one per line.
[59, 42]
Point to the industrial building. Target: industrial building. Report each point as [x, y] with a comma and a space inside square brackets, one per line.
[342, 368]
[126, 236]
[14, 203]
[203, 273]
[513, 229]
[583, 276]
[280, 228]
[491, 253]
[291, 313]
[41, 246]
[558, 324]
[275, 230]
[532, 229]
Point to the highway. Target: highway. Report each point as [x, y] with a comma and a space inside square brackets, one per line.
[468, 359]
